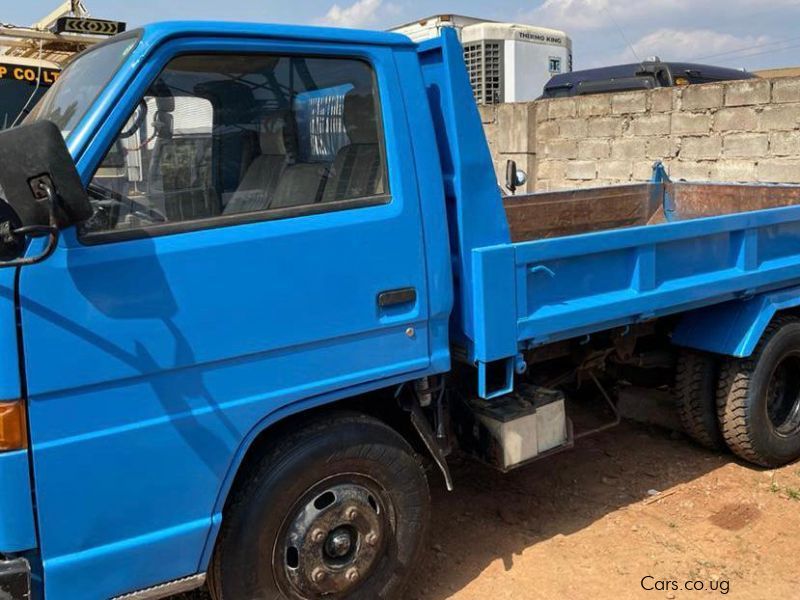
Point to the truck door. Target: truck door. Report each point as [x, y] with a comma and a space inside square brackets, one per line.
[255, 248]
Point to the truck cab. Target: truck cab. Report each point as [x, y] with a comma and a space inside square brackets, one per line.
[646, 75]
[256, 247]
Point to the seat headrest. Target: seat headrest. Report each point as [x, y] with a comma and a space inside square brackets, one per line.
[276, 133]
[359, 118]
[230, 100]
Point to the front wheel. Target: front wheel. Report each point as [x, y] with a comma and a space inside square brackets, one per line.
[336, 510]
[758, 398]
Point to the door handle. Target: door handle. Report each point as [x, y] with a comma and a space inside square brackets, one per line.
[407, 295]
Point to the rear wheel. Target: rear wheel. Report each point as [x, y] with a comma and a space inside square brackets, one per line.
[337, 510]
[759, 398]
[695, 391]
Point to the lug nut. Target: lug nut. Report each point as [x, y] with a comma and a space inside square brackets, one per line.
[351, 514]
[318, 535]
[371, 538]
[352, 574]
[317, 574]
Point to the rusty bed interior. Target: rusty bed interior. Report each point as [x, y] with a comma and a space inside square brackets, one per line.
[562, 213]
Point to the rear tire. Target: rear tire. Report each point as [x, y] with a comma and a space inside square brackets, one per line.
[338, 509]
[758, 398]
[696, 394]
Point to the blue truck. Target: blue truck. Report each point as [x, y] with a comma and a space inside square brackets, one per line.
[259, 282]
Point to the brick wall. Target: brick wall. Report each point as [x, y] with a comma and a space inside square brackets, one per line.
[736, 131]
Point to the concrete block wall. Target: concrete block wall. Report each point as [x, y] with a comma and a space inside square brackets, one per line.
[735, 131]
[511, 133]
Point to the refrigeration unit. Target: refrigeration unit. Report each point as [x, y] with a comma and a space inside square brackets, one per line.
[507, 62]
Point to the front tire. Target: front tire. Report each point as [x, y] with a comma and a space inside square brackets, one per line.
[758, 399]
[338, 509]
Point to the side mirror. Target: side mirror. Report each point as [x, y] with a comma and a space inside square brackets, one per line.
[40, 190]
[163, 121]
[163, 125]
[514, 177]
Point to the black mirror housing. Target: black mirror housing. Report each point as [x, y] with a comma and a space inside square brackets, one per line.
[33, 157]
[514, 177]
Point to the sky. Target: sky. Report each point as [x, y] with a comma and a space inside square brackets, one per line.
[750, 34]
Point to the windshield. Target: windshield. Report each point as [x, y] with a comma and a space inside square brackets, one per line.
[67, 101]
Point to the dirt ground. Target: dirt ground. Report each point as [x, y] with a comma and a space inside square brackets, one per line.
[631, 508]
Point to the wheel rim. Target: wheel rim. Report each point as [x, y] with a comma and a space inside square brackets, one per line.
[333, 538]
[783, 397]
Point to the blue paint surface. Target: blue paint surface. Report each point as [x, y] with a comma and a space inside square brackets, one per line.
[10, 388]
[572, 286]
[474, 205]
[733, 328]
[17, 532]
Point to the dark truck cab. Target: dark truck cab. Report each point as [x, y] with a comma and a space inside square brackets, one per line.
[647, 75]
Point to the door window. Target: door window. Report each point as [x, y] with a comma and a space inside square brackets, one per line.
[257, 136]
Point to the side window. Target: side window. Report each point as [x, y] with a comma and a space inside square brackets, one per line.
[222, 135]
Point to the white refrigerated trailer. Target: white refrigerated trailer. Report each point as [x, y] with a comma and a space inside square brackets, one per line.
[507, 62]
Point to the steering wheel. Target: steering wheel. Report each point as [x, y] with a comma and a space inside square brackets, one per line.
[103, 196]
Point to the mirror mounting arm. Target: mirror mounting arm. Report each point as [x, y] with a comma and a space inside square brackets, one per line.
[51, 231]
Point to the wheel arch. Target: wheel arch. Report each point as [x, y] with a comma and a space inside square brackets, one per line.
[743, 398]
[734, 328]
[379, 403]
